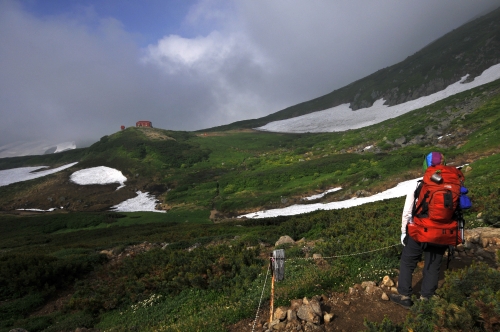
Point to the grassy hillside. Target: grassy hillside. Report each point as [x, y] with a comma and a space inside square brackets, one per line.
[238, 171]
[195, 268]
[149, 271]
[470, 49]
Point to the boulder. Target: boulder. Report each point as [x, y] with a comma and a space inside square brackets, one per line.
[365, 284]
[387, 281]
[273, 324]
[327, 317]
[280, 313]
[285, 239]
[295, 304]
[291, 315]
[308, 313]
[316, 307]
[400, 141]
[279, 327]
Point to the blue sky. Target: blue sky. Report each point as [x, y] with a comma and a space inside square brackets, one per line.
[150, 20]
[76, 70]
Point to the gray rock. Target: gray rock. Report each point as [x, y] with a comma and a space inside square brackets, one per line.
[387, 281]
[291, 315]
[280, 326]
[273, 323]
[308, 314]
[295, 304]
[284, 240]
[311, 327]
[400, 141]
[315, 306]
[280, 313]
[327, 317]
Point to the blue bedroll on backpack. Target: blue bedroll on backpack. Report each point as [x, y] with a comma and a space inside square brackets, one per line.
[465, 202]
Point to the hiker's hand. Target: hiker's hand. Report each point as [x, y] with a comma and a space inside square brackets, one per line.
[403, 236]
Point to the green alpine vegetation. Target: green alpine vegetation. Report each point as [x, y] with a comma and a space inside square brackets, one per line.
[223, 261]
[199, 268]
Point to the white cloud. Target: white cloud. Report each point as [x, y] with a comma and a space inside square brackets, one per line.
[228, 66]
[205, 54]
[73, 78]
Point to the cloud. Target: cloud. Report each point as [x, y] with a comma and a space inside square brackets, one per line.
[228, 66]
[74, 77]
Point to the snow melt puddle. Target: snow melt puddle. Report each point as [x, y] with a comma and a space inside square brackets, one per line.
[402, 189]
[98, 175]
[20, 174]
[313, 197]
[342, 117]
[143, 202]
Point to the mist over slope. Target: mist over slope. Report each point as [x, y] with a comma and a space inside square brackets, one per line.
[342, 117]
[468, 50]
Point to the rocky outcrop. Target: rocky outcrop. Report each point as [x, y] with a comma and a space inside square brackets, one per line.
[302, 315]
[118, 253]
[315, 314]
[482, 243]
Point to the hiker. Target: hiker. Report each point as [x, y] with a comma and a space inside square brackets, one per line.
[425, 239]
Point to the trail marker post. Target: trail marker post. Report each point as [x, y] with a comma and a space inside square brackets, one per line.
[277, 262]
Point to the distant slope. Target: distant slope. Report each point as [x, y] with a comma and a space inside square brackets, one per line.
[470, 49]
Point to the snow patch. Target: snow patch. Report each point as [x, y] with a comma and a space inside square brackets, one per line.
[21, 148]
[39, 210]
[342, 117]
[98, 175]
[20, 174]
[402, 189]
[313, 197]
[143, 202]
[65, 146]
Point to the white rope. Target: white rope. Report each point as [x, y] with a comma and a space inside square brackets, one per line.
[347, 255]
[260, 301]
[293, 259]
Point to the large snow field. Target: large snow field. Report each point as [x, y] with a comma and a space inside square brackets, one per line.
[143, 202]
[18, 149]
[402, 189]
[98, 175]
[342, 117]
[20, 174]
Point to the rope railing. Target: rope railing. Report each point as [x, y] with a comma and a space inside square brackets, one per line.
[260, 301]
[312, 258]
[346, 255]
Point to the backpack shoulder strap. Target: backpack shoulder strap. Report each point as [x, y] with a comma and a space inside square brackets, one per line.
[416, 193]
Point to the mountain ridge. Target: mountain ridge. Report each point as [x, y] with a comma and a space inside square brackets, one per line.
[197, 267]
[469, 49]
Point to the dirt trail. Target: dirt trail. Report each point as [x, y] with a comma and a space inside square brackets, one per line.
[351, 310]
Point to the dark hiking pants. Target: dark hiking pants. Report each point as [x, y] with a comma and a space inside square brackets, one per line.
[412, 252]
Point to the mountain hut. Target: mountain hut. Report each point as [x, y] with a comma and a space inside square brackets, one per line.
[144, 124]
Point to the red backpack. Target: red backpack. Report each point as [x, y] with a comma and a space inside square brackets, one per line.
[435, 207]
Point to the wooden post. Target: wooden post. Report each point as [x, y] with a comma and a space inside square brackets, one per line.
[272, 290]
[277, 262]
